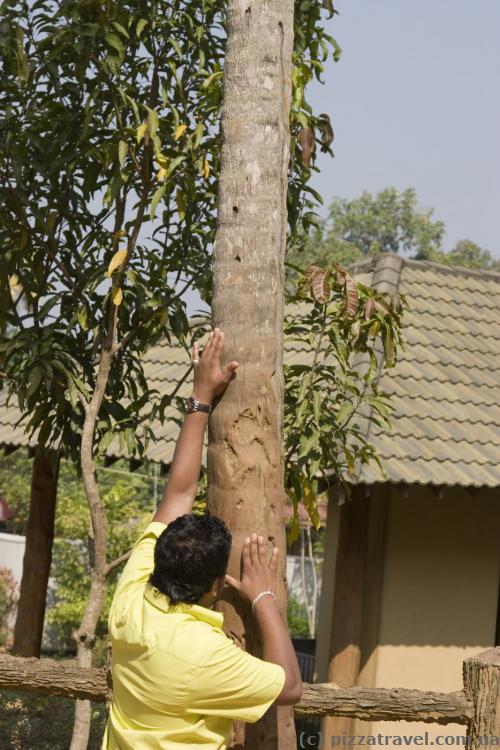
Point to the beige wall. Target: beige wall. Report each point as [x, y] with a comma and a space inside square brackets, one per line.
[439, 596]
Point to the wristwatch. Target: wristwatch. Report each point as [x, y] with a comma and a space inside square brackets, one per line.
[192, 405]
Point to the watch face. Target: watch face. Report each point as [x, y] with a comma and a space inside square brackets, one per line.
[190, 404]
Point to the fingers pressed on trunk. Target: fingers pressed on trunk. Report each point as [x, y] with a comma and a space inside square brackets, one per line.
[254, 550]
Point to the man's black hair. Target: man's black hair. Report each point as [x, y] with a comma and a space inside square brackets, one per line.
[189, 555]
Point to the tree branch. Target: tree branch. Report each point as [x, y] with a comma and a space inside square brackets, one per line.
[117, 561]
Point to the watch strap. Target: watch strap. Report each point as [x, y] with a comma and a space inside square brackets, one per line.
[194, 405]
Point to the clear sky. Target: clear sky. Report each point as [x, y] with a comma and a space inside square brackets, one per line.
[415, 102]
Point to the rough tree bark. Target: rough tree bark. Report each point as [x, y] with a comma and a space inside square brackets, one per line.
[37, 554]
[481, 676]
[245, 453]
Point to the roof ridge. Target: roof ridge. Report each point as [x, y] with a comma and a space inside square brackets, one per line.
[453, 270]
[373, 260]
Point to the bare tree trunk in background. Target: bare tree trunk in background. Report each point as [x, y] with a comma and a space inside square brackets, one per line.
[37, 555]
[245, 454]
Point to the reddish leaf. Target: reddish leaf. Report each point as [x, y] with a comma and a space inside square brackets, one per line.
[352, 296]
[307, 145]
[320, 287]
[369, 308]
[311, 270]
[341, 274]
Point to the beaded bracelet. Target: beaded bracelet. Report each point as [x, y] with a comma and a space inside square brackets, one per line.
[259, 597]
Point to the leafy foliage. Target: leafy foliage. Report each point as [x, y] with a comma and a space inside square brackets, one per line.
[109, 159]
[298, 623]
[111, 118]
[390, 221]
[128, 511]
[387, 222]
[27, 721]
[129, 501]
[467, 254]
[8, 598]
[335, 324]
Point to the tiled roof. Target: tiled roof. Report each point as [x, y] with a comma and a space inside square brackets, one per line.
[445, 387]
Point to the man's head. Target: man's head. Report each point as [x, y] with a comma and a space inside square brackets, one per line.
[190, 555]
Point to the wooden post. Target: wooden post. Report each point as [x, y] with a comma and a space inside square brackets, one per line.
[37, 555]
[347, 618]
[378, 504]
[322, 656]
[481, 676]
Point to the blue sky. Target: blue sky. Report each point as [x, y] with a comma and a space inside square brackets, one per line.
[415, 102]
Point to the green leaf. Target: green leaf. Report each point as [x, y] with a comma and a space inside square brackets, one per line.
[389, 347]
[379, 406]
[372, 372]
[345, 411]
[211, 79]
[350, 462]
[35, 378]
[176, 47]
[120, 28]
[317, 401]
[122, 152]
[307, 442]
[158, 195]
[198, 134]
[82, 317]
[114, 41]
[141, 24]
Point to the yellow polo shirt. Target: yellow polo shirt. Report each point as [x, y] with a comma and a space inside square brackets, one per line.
[178, 680]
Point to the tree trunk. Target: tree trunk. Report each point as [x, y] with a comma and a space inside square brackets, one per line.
[37, 554]
[85, 635]
[245, 453]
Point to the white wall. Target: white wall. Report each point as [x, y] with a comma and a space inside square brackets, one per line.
[12, 553]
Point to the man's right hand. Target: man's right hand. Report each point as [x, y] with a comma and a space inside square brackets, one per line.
[257, 574]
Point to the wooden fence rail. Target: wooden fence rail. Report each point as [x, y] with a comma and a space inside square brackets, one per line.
[477, 706]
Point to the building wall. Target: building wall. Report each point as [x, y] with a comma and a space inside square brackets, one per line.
[11, 557]
[12, 553]
[439, 596]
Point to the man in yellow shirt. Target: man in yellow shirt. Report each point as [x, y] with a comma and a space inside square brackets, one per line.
[178, 680]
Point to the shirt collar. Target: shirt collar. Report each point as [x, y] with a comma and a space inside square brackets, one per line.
[162, 602]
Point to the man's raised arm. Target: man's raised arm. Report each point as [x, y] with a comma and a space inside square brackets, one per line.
[210, 380]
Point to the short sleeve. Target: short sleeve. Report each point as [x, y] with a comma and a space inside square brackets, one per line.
[234, 684]
[141, 561]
